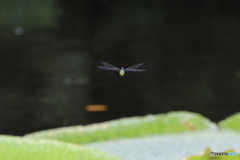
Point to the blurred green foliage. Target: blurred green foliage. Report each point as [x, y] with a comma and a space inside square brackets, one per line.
[27, 13]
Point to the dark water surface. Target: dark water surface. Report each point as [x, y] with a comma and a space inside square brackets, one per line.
[50, 54]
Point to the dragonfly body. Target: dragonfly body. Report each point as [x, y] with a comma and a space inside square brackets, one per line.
[122, 71]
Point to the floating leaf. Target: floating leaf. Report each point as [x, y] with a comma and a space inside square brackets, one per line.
[231, 122]
[17, 148]
[129, 127]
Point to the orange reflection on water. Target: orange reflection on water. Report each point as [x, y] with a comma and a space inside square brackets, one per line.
[96, 108]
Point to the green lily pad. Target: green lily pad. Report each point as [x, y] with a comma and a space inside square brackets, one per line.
[231, 122]
[174, 146]
[171, 122]
[17, 148]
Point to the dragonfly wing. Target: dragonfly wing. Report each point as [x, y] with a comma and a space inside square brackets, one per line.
[108, 65]
[109, 68]
[135, 66]
[134, 70]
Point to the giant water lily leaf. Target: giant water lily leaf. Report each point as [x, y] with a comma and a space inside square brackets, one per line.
[171, 136]
[171, 122]
[172, 146]
[17, 148]
[231, 122]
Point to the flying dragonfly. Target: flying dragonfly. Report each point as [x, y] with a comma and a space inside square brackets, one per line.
[107, 66]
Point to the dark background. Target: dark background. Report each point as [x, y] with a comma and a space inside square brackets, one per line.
[50, 51]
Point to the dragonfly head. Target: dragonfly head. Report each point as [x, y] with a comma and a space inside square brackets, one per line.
[122, 72]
